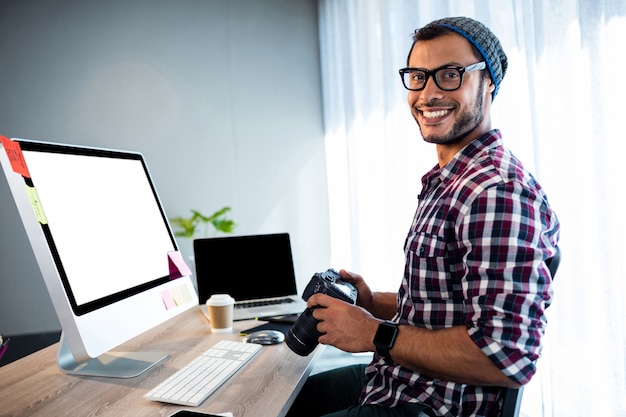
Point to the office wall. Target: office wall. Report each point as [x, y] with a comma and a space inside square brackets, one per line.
[223, 97]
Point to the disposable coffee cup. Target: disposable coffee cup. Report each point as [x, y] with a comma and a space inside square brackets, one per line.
[220, 308]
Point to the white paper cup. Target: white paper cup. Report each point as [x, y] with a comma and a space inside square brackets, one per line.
[220, 308]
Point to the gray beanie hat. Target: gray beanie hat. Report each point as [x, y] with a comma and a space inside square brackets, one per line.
[482, 39]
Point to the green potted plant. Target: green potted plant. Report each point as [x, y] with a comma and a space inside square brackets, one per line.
[190, 226]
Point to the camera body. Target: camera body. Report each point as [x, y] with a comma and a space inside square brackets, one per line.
[303, 335]
[330, 283]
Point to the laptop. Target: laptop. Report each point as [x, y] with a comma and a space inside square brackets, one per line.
[256, 270]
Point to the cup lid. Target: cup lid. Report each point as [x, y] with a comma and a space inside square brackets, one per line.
[220, 300]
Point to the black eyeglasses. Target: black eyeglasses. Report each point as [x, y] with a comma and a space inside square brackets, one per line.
[447, 78]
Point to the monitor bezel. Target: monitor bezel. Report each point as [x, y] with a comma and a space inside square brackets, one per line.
[90, 306]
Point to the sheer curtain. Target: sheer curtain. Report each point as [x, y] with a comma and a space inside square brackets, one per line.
[561, 110]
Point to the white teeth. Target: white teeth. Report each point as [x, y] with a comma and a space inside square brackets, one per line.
[432, 114]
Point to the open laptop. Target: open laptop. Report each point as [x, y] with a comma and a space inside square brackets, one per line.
[256, 270]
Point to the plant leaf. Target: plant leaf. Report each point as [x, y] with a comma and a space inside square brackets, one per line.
[187, 227]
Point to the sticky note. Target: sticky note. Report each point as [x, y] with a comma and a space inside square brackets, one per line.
[168, 300]
[185, 293]
[35, 202]
[178, 296]
[15, 155]
[178, 267]
[181, 295]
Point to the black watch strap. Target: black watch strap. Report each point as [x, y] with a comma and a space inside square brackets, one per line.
[385, 338]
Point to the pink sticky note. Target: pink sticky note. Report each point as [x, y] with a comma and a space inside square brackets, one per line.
[168, 300]
[178, 267]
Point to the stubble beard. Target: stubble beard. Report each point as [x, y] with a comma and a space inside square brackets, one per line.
[466, 122]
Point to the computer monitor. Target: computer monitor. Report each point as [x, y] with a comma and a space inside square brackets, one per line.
[104, 247]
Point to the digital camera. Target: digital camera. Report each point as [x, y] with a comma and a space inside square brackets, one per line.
[303, 335]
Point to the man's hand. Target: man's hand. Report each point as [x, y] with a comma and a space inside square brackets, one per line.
[381, 304]
[365, 298]
[343, 325]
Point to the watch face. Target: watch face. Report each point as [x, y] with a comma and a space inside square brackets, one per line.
[386, 334]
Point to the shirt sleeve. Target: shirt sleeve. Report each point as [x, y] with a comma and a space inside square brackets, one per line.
[506, 234]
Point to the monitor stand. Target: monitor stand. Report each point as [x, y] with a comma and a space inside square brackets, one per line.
[111, 364]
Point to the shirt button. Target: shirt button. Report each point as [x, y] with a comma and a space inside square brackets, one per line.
[422, 250]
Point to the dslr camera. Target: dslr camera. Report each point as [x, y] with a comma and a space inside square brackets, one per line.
[303, 335]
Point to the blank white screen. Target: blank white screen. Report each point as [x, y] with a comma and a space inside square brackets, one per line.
[104, 219]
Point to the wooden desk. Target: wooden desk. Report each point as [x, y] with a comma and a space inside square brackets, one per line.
[266, 386]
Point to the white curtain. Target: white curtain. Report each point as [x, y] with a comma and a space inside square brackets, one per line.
[561, 109]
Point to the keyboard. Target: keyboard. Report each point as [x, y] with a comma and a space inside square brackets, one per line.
[197, 380]
[261, 303]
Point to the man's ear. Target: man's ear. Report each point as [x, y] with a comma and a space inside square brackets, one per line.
[491, 85]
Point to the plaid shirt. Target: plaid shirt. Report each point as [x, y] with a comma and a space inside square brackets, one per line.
[475, 256]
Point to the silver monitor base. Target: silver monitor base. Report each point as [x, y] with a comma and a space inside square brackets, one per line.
[112, 364]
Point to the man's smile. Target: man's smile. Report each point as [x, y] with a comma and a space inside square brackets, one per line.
[434, 116]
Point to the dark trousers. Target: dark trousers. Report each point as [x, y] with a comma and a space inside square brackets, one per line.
[336, 393]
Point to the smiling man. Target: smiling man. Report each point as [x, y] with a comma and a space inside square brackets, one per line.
[468, 318]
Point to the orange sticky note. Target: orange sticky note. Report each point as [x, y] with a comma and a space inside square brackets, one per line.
[16, 157]
[178, 267]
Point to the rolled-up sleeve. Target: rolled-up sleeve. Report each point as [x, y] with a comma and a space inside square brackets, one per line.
[507, 285]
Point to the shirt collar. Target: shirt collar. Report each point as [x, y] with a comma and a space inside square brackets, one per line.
[436, 175]
[465, 156]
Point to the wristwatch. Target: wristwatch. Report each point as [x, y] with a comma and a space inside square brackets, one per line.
[385, 338]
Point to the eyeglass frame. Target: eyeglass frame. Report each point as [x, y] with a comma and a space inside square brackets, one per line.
[462, 70]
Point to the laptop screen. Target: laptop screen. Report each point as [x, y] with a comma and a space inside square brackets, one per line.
[246, 267]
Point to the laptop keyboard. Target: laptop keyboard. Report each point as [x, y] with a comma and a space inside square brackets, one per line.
[264, 302]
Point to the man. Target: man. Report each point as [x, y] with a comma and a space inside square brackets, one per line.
[469, 316]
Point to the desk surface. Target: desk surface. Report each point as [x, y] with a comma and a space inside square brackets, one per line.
[34, 385]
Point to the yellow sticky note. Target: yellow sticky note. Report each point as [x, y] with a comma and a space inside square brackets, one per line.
[178, 296]
[186, 294]
[31, 192]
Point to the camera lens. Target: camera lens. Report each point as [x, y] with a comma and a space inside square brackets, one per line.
[303, 335]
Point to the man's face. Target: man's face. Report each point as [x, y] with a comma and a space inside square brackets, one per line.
[446, 117]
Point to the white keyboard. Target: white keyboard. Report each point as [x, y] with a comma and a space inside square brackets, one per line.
[192, 384]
